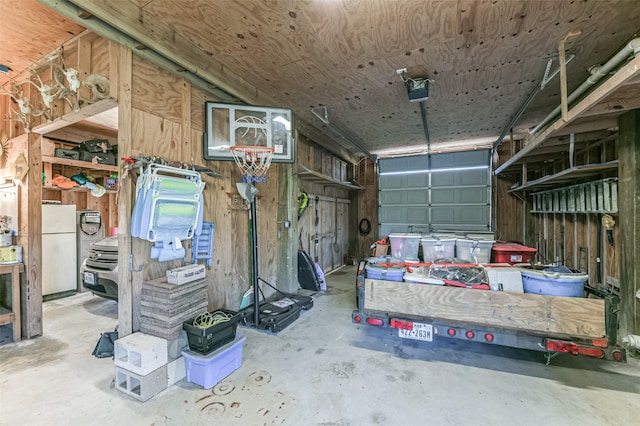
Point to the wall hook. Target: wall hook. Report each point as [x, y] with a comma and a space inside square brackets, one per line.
[131, 268]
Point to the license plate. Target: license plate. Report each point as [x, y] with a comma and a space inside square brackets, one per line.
[89, 278]
[419, 331]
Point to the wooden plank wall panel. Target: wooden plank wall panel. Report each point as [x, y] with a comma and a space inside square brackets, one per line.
[529, 312]
[155, 135]
[231, 269]
[156, 91]
[508, 213]
[580, 244]
[100, 63]
[319, 239]
[569, 239]
[267, 212]
[367, 207]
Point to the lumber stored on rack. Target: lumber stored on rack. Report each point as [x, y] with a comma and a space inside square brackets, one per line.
[548, 315]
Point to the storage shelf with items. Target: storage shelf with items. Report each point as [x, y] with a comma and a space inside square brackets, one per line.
[59, 158]
[73, 181]
[565, 176]
[316, 177]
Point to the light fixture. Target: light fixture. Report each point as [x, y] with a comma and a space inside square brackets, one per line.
[422, 171]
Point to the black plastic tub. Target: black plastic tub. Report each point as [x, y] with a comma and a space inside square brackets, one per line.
[207, 340]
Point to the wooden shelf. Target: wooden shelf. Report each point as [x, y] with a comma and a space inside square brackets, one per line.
[587, 171]
[74, 117]
[598, 110]
[315, 177]
[78, 163]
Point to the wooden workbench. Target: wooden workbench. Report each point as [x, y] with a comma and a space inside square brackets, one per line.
[12, 316]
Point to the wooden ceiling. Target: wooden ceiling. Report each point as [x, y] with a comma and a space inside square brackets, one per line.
[484, 57]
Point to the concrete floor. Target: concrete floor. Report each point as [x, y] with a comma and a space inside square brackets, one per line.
[322, 370]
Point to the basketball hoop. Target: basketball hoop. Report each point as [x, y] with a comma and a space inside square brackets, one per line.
[253, 161]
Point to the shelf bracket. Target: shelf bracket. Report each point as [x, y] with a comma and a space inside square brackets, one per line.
[131, 268]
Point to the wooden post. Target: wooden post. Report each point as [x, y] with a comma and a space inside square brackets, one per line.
[32, 294]
[629, 185]
[123, 65]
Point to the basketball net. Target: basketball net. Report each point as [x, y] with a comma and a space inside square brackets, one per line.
[253, 161]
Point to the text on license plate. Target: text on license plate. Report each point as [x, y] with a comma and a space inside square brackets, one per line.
[89, 278]
[420, 331]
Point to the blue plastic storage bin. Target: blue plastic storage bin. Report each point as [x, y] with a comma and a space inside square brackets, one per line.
[208, 370]
[393, 273]
[553, 283]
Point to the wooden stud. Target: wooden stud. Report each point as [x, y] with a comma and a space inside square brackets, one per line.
[123, 64]
[629, 184]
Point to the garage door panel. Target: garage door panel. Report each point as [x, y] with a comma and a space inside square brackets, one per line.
[442, 196]
[471, 195]
[472, 177]
[404, 181]
[416, 162]
[455, 199]
[404, 197]
[443, 179]
[393, 215]
[418, 215]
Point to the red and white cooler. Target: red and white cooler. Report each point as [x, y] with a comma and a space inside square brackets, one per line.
[512, 253]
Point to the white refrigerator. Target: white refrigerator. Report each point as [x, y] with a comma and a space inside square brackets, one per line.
[59, 268]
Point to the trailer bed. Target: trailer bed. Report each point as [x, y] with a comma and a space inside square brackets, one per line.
[551, 316]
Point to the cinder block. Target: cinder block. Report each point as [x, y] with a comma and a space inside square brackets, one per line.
[176, 371]
[141, 387]
[140, 353]
[175, 346]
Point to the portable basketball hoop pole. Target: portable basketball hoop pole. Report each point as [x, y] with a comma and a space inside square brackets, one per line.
[253, 161]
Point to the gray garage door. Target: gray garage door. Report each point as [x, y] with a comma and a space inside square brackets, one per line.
[448, 192]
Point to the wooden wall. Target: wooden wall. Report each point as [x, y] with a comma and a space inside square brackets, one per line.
[161, 114]
[507, 208]
[576, 240]
[367, 202]
[323, 228]
[87, 53]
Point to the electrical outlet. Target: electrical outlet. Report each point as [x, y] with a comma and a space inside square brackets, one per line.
[401, 71]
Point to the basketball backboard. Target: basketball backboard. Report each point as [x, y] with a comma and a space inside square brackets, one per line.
[228, 125]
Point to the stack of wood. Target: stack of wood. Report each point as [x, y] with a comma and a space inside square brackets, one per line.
[165, 307]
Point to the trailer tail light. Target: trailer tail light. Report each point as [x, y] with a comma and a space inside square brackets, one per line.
[595, 352]
[401, 325]
[357, 318]
[451, 332]
[564, 347]
[470, 334]
[573, 348]
[488, 337]
[618, 355]
[375, 321]
[601, 343]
